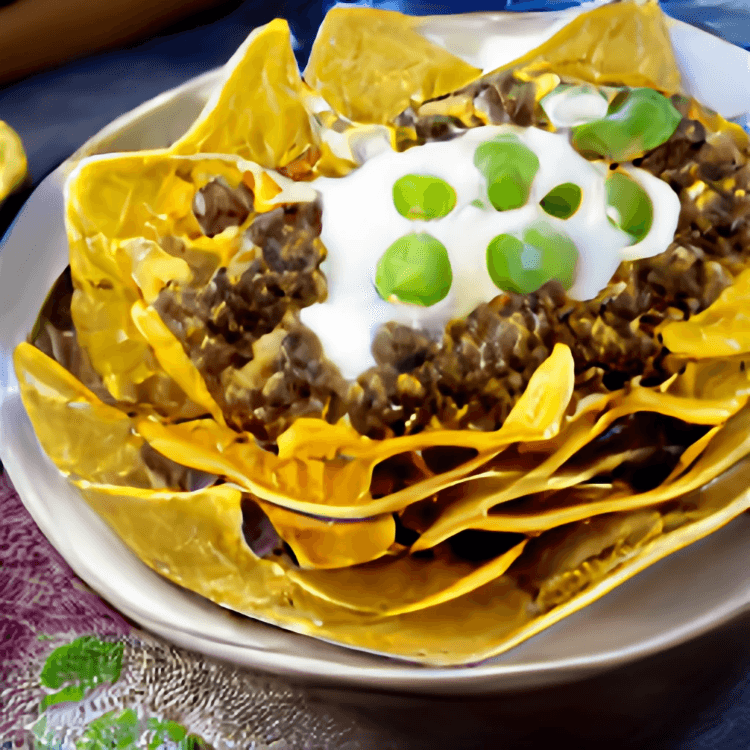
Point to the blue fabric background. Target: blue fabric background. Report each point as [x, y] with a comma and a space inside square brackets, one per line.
[55, 112]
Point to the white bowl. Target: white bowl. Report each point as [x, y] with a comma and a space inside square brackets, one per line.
[648, 614]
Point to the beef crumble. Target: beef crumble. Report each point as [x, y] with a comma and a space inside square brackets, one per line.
[261, 365]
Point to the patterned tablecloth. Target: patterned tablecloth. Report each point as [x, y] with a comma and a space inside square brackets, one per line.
[74, 675]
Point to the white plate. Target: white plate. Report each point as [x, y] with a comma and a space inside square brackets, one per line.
[679, 598]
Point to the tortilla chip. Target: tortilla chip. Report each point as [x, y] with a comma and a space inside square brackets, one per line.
[327, 470]
[483, 492]
[194, 539]
[721, 330]
[618, 44]
[555, 575]
[393, 586]
[121, 210]
[370, 65]
[730, 445]
[85, 438]
[324, 543]
[258, 113]
[171, 356]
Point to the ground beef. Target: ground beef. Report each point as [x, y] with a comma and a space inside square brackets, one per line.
[217, 206]
[472, 378]
[222, 326]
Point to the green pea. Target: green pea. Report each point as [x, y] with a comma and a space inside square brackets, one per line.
[637, 121]
[632, 206]
[525, 265]
[509, 167]
[414, 269]
[423, 197]
[562, 201]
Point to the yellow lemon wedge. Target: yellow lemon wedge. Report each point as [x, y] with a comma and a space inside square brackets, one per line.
[13, 165]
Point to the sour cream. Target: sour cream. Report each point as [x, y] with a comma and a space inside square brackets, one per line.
[360, 222]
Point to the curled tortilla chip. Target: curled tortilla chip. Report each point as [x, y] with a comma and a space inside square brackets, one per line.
[730, 445]
[194, 539]
[721, 330]
[85, 438]
[171, 356]
[391, 586]
[258, 113]
[321, 543]
[691, 453]
[331, 466]
[470, 511]
[565, 569]
[123, 210]
[370, 65]
[617, 44]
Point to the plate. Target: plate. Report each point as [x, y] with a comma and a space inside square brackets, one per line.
[687, 594]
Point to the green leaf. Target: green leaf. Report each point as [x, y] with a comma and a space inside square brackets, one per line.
[562, 201]
[69, 694]
[414, 269]
[423, 197]
[166, 730]
[633, 211]
[638, 120]
[509, 167]
[523, 266]
[112, 731]
[87, 662]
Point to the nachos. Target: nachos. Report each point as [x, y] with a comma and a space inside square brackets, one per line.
[407, 356]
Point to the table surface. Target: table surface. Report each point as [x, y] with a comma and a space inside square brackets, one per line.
[697, 696]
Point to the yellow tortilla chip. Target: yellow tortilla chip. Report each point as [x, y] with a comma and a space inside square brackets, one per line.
[194, 539]
[395, 586]
[565, 569]
[731, 444]
[171, 356]
[721, 330]
[470, 511]
[118, 209]
[331, 466]
[618, 44]
[320, 543]
[85, 438]
[370, 65]
[258, 113]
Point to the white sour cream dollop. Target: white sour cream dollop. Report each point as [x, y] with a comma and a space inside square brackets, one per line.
[360, 222]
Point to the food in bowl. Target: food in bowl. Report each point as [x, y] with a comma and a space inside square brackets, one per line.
[403, 355]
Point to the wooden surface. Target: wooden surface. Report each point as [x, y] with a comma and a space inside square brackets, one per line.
[39, 34]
